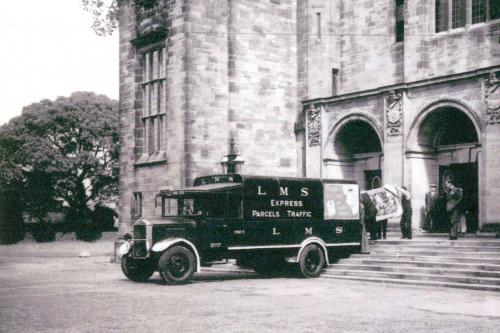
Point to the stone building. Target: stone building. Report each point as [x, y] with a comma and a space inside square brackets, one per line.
[382, 91]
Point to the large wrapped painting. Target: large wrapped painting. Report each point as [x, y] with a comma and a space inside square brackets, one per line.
[386, 200]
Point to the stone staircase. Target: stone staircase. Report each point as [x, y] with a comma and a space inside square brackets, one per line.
[472, 263]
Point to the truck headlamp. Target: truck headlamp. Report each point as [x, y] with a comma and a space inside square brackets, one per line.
[124, 249]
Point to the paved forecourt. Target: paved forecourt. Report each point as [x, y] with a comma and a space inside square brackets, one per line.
[48, 288]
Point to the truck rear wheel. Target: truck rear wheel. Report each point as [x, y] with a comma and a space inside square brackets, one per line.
[177, 265]
[311, 261]
[137, 270]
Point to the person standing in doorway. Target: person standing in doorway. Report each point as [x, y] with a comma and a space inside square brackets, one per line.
[454, 196]
[431, 208]
[407, 213]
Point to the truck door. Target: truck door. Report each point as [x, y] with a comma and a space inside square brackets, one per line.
[214, 233]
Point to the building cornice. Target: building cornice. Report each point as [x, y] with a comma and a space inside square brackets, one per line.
[403, 86]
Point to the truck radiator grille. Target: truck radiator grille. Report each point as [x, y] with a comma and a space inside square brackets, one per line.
[140, 232]
[140, 249]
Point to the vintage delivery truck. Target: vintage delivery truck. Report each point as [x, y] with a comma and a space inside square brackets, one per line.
[262, 222]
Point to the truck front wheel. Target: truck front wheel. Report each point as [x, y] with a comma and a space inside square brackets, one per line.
[177, 265]
[137, 270]
[311, 261]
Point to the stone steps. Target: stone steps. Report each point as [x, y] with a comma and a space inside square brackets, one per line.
[424, 264]
[457, 259]
[416, 276]
[417, 269]
[444, 248]
[471, 262]
[441, 242]
[433, 252]
[441, 235]
[416, 282]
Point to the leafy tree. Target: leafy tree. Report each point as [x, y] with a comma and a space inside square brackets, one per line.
[67, 151]
[11, 205]
[105, 14]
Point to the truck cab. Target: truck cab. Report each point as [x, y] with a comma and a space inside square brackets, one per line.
[262, 222]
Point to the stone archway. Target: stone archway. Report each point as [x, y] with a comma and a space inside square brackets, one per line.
[354, 151]
[445, 138]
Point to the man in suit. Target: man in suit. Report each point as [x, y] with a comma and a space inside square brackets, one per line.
[370, 213]
[454, 196]
[405, 223]
[431, 208]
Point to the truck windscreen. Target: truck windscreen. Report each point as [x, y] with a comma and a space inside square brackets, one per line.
[213, 205]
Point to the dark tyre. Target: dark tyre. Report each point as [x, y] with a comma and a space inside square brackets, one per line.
[177, 265]
[137, 270]
[311, 261]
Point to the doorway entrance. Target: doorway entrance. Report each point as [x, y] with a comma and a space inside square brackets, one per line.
[373, 179]
[355, 152]
[445, 140]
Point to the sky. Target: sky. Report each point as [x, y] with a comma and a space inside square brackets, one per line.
[48, 49]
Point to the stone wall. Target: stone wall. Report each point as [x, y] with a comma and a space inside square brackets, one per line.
[206, 108]
[242, 69]
[320, 26]
[369, 54]
[149, 178]
[126, 111]
[231, 73]
[429, 54]
[404, 161]
[263, 84]
[371, 58]
[425, 70]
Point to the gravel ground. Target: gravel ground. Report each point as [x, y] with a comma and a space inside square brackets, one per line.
[48, 288]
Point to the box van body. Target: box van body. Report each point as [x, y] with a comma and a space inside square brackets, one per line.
[262, 222]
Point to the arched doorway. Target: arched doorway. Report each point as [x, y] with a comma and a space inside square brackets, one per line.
[355, 152]
[445, 140]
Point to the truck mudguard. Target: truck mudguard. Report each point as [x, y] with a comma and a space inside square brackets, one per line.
[313, 240]
[167, 243]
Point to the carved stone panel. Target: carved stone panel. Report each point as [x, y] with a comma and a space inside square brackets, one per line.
[151, 15]
[313, 114]
[394, 113]
[492, 98]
